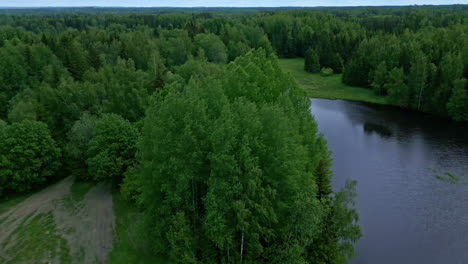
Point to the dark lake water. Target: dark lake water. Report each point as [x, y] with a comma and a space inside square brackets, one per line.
[407, 214]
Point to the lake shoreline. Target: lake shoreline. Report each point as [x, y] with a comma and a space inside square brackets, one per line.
[331, 88]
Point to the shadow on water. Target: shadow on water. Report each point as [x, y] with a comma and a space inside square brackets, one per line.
[383, 131]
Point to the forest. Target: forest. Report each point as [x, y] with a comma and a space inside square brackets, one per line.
[189, 116]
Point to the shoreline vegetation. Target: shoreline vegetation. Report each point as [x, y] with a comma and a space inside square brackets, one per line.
[331, 87]
[328, 87]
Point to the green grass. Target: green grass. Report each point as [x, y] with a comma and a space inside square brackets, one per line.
[39, 241]
[330, 87]
[79, 189]
[130, 243]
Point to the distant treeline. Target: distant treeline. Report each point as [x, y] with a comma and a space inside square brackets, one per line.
[416, 55]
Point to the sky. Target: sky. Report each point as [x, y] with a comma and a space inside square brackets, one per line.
[224, 3]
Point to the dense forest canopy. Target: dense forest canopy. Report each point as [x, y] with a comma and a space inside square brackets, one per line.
[189, 113]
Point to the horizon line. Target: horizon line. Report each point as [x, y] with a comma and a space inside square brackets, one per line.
[100, 6]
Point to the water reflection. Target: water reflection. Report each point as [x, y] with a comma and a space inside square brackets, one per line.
[371, 128]
[407, 215]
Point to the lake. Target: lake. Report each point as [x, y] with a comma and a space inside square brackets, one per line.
[411, 211]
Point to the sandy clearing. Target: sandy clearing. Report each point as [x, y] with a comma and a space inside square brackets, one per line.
[89, 230]
[38, 203]
[87, 226]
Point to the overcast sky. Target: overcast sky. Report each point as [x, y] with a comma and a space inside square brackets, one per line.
[227, 3]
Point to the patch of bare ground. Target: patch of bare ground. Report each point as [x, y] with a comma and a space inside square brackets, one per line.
[87, 226]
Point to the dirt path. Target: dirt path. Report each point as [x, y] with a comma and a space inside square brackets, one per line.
[86, 225]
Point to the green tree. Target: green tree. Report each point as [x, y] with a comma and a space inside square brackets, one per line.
[311, 62]
[111, 150]
[23, 106]
[380, 78]
[457, 105]
[28, 155]
[396, 87]
[417, 81]
[214, 48]
[236, 49]
[13, 75]
[228, 168]
[157, 70]
[78, 139]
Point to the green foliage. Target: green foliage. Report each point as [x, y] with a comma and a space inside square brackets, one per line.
[396, 87]
[417, 69]
[226, 168]
[194, 68]
[131, 237]
[176, 46]
[28, 156]
[131, 186]
[23, 106]
[326, 72]
[231, 168]
[214, 48]
[236, 49]
[345, 218]
[13, 75]
[457, 106]
[78, 139]
[380, 78]
[311, 62]
[157, 70]
[125, 89]
[111, 150]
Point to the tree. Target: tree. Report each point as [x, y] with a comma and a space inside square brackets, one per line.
[111, 150]
[28, 155]
[458, 106]
[396, 87]
[78, 139]
[73, 55]
[311, 62]
[157, 71]
[124, 89]
[214, 48]
[23, 106]
[13, 75]
[417, 81]
[228, 168]
[380, 78]
[236, 49]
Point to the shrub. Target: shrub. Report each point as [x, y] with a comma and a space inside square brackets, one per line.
[28, 155]
[326, 72]
[111, 151]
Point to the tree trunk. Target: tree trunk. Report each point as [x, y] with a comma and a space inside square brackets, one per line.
[242, 247]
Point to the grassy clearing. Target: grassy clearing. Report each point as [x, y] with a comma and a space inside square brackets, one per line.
[38, 240]
[330, 87]
[130, 243]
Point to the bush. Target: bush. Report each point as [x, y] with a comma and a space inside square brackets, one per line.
[28, 155]
[111, 151]
[326, 72]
